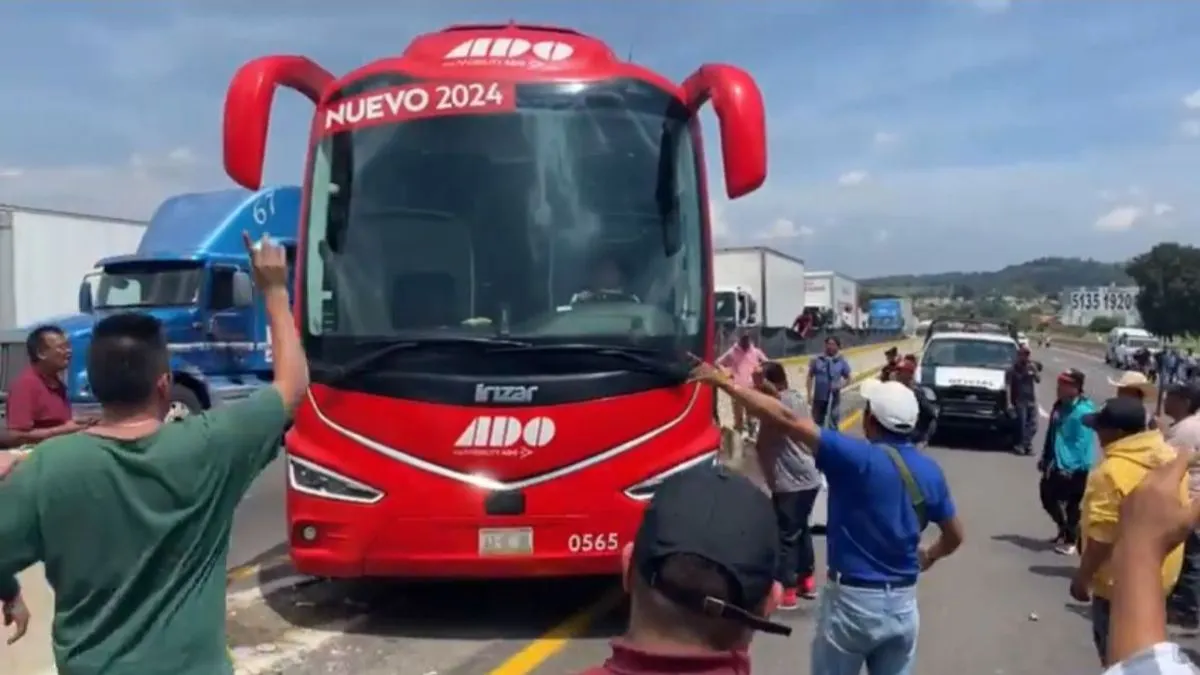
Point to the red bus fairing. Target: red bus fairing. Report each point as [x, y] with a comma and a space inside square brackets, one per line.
[500, 279]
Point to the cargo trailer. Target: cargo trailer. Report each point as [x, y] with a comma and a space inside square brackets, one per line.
[833, 291]
[44, 254]
[771, 280]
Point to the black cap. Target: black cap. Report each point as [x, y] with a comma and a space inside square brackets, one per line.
[719, 515]
[1119, 414]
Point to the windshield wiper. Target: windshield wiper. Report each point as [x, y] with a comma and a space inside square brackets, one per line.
[641, 358]
[357, 366]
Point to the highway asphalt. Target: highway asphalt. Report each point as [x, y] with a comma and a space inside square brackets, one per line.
[1000, 605]
[280, 622]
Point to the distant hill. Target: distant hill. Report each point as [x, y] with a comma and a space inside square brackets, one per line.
[1044, 276]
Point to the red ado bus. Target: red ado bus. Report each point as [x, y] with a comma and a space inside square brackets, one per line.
[505, 252]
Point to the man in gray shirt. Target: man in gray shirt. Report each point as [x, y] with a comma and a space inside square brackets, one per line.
[795, 483]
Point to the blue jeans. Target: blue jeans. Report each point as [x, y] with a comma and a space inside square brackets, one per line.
[872, 627]
[827, 409]
[1027, 420]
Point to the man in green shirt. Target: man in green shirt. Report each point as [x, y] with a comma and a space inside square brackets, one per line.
[132, 516]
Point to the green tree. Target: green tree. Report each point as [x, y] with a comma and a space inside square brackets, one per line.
[1168, 276]
[1103, 324]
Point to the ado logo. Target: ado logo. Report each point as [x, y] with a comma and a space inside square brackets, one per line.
[502, 436]
[549, 51]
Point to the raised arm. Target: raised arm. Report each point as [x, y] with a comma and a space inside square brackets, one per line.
[799, 429]
[249, 431]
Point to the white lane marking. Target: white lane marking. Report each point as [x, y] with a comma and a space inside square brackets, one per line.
[1043, 413]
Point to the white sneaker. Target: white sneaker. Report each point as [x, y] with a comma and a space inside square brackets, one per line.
[1066, 549]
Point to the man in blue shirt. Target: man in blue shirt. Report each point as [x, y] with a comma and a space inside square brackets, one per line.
[827, 374]
[882, 493]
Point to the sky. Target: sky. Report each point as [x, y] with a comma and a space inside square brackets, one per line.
[904, 136]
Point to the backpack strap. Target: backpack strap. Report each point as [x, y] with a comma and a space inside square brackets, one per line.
[915, 496]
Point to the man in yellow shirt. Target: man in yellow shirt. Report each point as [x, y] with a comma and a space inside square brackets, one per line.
[1130, 452]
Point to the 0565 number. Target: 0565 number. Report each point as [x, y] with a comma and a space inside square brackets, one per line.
[593, 543]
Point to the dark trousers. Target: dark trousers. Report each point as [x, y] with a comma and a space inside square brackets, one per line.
[827, 411]
[1185, 597]
[1061, 493]
[796, 557]
[1027, 423]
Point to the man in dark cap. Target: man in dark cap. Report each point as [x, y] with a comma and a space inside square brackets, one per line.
[1067, 456]
[701, 577]
[893, 361]
[1131, 451]
[1022, 379]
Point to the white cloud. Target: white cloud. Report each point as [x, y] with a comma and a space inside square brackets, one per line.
[851, 178]
[1120, 219]
[1190, 128]
[1192, 100]
[885, 138]
[131, 189]
[782, 228]
[882, 236]
[1162, 209]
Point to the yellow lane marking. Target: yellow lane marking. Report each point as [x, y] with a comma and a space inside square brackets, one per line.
[246, 571]
[541, 649]
[789, 360]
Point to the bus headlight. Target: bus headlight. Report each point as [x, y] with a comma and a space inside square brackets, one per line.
[644, 490]
[318, 481]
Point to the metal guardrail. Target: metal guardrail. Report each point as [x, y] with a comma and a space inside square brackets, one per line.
[780, 343]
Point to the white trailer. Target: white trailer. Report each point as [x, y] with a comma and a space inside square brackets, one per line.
[45, 254]
[831, 290]
[774, 280]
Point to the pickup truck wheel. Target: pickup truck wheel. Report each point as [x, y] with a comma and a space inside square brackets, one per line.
[184, 403]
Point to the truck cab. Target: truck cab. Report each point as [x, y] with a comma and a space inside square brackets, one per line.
[190, 271]
[735, 306]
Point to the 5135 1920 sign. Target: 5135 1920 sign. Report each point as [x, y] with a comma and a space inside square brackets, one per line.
[1103, 300]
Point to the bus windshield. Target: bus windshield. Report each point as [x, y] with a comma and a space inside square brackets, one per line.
[576, 217]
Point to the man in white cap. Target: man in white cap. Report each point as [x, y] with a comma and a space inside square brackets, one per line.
[883, 492]
[1133, 384]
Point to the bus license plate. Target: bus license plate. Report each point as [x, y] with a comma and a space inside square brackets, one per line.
[506, 541]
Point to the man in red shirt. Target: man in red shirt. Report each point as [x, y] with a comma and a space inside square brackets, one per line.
[38, 407]
[701, 578]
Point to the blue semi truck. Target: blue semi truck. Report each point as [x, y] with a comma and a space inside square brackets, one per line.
[191, 271]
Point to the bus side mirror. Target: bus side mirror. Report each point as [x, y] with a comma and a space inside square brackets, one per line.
[85, 297]
[243, 290]
[738, 104]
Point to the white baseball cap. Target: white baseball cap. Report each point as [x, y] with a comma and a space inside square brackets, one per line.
[893, 404]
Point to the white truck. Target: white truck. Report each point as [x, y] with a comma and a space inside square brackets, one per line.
[757, 286]
[44, 254]
[833, 291]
